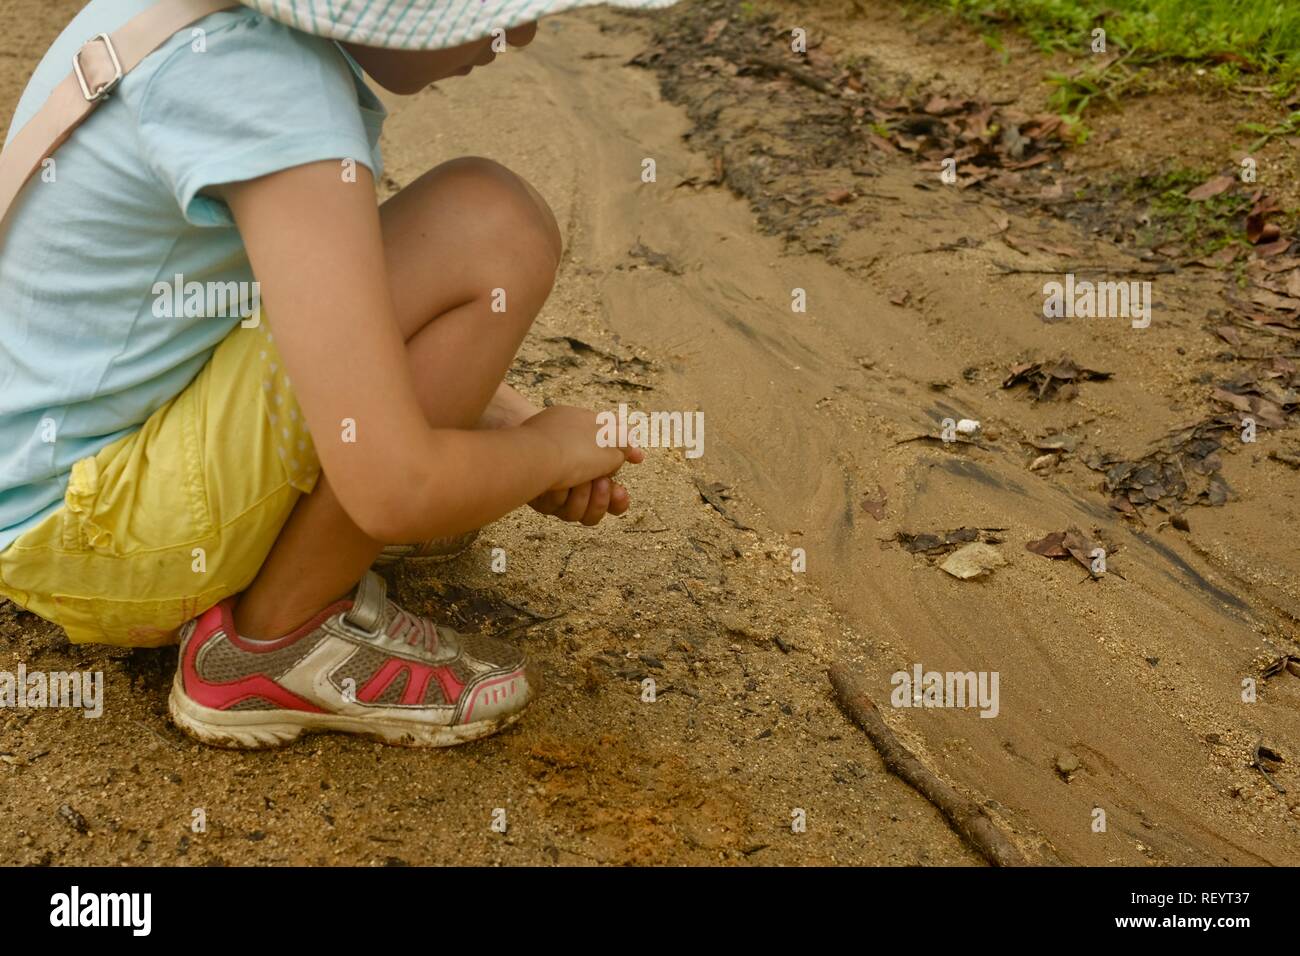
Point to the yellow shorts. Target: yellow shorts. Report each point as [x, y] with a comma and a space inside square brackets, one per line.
[168, 521]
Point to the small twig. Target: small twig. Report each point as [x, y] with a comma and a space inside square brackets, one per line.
[526, 625]
[169, 743]
[1007, 270]
[935, 438]
[967, 817]
[1268, 778]
[1014, 271]
[1257, 762]
[531, 613]
[796, 73]
[945, 247]
[687, 588]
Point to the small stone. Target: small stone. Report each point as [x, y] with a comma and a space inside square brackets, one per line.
[973, 560]
[72, 818]
[1067, 765]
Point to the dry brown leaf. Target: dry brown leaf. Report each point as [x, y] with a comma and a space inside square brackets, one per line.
[876, 506]
[1271, 300]
[1293, 284]
[1219, 259]
[1257, 229]
[1211, 188]
[1050, 546]
[1229, 335]
[1273, 248]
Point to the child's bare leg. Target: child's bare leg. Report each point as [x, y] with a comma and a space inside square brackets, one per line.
[451, 238]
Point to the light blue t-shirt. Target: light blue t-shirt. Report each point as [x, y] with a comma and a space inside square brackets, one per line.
[85, 357]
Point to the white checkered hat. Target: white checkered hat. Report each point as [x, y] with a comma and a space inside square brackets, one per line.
[420, 24]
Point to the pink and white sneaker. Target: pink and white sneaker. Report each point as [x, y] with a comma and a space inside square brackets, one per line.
[361, 666]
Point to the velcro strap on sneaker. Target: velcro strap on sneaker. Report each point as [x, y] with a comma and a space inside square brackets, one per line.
[367, 611]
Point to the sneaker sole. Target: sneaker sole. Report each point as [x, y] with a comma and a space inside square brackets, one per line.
[416, 559]
[443, 557]
[254, 730]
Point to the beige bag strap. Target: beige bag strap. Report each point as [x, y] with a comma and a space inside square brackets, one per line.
[97, 69]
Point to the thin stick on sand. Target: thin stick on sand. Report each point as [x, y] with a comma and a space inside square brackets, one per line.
[969, 820]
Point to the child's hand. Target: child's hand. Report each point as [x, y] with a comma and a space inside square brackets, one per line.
[573, 431]
[587, 503]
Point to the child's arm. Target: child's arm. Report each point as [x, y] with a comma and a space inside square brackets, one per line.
[588, 502]
[315, 245]
[507, 408]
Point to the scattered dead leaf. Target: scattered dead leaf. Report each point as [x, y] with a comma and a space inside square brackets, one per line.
[1220, 258]
[1212, 187]
[716, 494]
[1258, 229]
[1183, 469]
[1052, 380]
[876, 506]
[1071, 543]
[715, 30]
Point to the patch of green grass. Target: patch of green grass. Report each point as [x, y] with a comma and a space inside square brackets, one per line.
[1075, 131]
[1202, 227]
[1288, 127]
[1073, 93]
[994, 43]
[1259, 35]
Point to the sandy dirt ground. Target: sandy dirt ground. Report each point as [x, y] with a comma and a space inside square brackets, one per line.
[1120, 693]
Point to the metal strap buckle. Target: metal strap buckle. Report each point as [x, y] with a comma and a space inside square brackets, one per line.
[104, 89]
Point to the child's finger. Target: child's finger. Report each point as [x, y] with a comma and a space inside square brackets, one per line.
[618, 499]
[550, 502]
[576, 506]
[598, 504]
[634, 454]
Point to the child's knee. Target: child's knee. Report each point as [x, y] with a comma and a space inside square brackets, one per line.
[513, 210]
